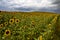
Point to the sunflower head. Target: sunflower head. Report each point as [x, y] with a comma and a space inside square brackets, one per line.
[40, 38]
[33, 23]
[7, 32]
[1, 25]
[17, 20]
[6, 23]
[11, 21]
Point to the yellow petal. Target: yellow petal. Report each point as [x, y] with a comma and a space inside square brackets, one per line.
[41, 38]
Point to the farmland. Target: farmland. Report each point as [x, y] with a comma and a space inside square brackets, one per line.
[29, 26]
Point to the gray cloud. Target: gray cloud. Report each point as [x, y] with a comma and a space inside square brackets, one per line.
[57, 2]
[15, 5]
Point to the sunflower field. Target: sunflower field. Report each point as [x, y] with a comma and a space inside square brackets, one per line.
[29, 26]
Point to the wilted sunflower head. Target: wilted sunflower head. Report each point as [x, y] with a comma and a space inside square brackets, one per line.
[11, 21]
[7, 32]
[1, 25]
[17, 20]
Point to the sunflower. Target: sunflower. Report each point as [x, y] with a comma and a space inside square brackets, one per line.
[49, 26]
[7, 32]
[11, 21]
[33, 23]
[40, 38]
[17, 20]
[6, 23]
[1, 25]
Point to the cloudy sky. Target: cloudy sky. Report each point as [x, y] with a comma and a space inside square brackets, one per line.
[30, 5]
